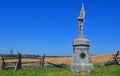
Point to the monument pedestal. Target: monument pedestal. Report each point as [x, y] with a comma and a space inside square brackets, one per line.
[81, 60]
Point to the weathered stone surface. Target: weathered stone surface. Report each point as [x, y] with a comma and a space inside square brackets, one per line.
[82, 68]
[81, 41]
[81, 59]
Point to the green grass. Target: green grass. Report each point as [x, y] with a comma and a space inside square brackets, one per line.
[113, 70]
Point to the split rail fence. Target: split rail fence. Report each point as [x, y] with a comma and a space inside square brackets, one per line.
[18, 62]
[114, 59]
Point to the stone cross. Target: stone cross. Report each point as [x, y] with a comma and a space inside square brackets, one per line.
[81, 20]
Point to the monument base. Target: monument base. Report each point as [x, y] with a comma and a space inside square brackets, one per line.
[82, 67]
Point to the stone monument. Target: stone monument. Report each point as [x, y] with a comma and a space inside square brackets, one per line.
[81, 59]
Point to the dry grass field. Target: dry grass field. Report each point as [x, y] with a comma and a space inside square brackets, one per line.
[101, 58]
[67, 60]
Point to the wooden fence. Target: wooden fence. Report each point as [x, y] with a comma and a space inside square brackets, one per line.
[115, 59]
[19, 61]
[15, 61]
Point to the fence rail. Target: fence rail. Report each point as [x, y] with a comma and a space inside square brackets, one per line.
[15, 61]
[19, 61]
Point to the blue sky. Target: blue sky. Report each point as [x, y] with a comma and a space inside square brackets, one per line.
[50, 26]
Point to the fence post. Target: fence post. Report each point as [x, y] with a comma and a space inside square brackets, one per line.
[3, 63]
[19, 61]
[117, 53]
[42, 62]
